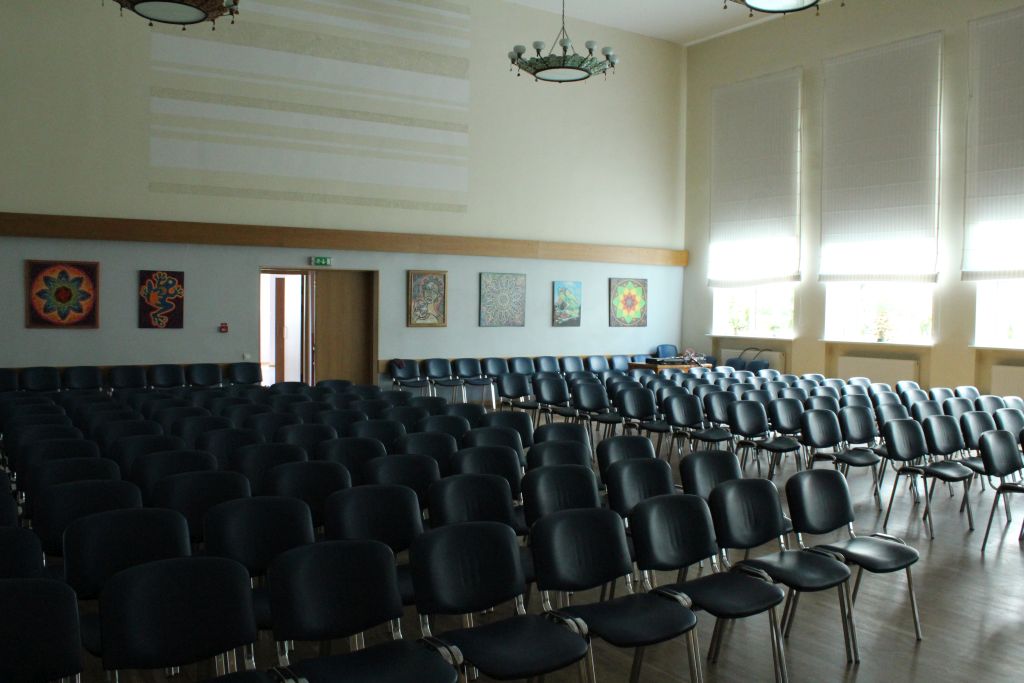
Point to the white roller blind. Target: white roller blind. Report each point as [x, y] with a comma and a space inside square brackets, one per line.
[994, 231]
[755, 182]
[881, 162]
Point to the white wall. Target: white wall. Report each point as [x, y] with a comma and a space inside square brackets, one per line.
[222, 285]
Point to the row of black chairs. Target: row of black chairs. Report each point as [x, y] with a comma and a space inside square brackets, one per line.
[160, 376]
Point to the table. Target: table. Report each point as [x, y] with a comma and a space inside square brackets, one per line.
[680, 367]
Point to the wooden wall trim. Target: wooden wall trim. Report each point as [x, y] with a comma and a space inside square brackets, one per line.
[184, 232]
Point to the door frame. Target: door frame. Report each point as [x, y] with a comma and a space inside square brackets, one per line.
[306, 344]
[374, 319]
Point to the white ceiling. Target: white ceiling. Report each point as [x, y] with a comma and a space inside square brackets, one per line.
[681, 21]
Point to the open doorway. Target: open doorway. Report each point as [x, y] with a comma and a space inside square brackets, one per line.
[318, 324]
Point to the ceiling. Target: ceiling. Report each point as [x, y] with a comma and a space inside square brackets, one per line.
[681, 21]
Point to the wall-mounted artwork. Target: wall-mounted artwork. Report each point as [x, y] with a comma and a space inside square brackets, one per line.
[428, 299]
[627, 302]
[567, 303]
[502, 300]
[161, 299]
[62, 294]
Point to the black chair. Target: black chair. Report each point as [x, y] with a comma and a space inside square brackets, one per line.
[515, 390]
[8, 505]
[1000, 454]
[1010, 420]
[409, 416]
[748, 513]
[282, 402]
[701, 471]
[906, 446]
[748, 422]
[472, 497]
[244, 373]
[821, 431]
[617, 448]
[204, 375]
[558, 487]
[440, 447]
[685, 416]
[58, 506]
[989, 404]
[632, 481]
[221, 443]
[353, 452]
[405, 372]
[82, 378]
[473, 412]
[21, 556]
[266, 424]
[92, 421]
[388, 432]
[240, 412]
[149, 468]
[635, 620]
[559, 453]
[309, 603]
[470, 371]
[209, 594]
[923, 409]
[521, 422]
[553, 397]
[819, 502]
[341, 419]
[670, 533]
[496, 436]
[498, 460]
[168, 417]
[521, 646]
[39, 634]
[434, 405]
[389, 514]
[453, 425]
[123, 379]
[308, 411]
[127, 449]
[255, 459]
[417, 472]
[166, 376]
[334, 386]
[39, 379]
[440, 374]
[290, 389]
[306, 436]
[36, 454]
[65, 471]
[109, 432]
[193, 494]
[191, 428]
[311, 482]
[957, 406]
[594, 408]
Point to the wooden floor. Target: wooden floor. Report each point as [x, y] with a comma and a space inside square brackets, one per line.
[971, 605]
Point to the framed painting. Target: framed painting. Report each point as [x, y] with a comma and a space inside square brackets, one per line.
[62, 294]
[161, 299]
[502, 300]
[427, 301]
[566, 303]
[627, 302]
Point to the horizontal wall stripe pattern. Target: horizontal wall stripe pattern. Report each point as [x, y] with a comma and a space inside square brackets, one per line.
[348, 102]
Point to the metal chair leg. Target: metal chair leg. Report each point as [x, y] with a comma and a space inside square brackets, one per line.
[892, 497]
[638, 662]
[779, 650]
[913, 605]
[843, 606]
[852, 621]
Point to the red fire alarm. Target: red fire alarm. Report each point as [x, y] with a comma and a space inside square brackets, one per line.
[222, 328]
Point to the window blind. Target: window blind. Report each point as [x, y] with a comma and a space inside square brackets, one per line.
[755, 182]
[880, 166]
[994, 220]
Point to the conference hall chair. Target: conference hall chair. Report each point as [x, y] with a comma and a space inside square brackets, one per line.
[409, 416]
[822, 434]
[39, 379]
[417, 472]
[685, 415]
[39, 634]
[307, 411]
[594, 409]
[701, 471]
[306, 436]
[437, 445]
[440, 373]
[221, 443]
[748, 422]
[1001, 456]
[502, 461]
[453, 425]
[239, 413]
[341, 419]
[21, 555]
[472, 374]
[334, 386]
[515, 390]
[616, 448]
[58, 506]
[406, 373]
[267, 424]
[193, 494]
[388, 432]
[434, 405]
[633, 481]
[559, 452]
[473, 412]
[496, 436]
[521, 422]
[477, 497]
[311, 482]
[82, 378]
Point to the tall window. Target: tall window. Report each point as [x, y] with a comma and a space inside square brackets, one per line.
[880, 191]
[994, 220]
[755, 213]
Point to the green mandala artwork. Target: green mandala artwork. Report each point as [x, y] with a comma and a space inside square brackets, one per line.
[627, 302]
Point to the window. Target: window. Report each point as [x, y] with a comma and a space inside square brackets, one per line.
[894, 312]
[762, 311]
[754, 250]
[1000, 320]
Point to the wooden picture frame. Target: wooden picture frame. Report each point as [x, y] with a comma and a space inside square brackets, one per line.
[62, 294]
[427, 298]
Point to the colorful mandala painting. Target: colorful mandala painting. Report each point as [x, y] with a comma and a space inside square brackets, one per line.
[62, 294]
[161, 299]
[502, 300]
[567, 303]
[627, 302]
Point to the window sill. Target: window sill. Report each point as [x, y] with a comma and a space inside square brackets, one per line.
[781, 337]
[992, 347]
[862, 342]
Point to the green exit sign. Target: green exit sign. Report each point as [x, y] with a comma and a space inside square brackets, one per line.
[319, 260]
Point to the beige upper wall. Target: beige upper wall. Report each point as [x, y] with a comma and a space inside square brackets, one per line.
[598, 161]
[805, 41]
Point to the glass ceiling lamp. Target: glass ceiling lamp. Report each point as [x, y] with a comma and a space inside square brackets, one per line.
[776, 6]
[567, 67]
[181, 12]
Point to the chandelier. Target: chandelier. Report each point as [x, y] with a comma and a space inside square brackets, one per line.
[181, 12]
[567, 67]
[776, 6]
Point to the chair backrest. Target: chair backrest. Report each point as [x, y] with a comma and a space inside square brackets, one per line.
[490, 572]
[166, 375]
[194, 493]
[597, 363]
[616, 448]
[240, 413]
[521, 365]
[58, 506]
[546, 364]
[221, 443]
[191, 428]
[619, 362]
[559, 452]
[82, 377]
[467, 367]
[920, 410]
[575, 550]
[471, 498]
[266, 424]
[882, 398]
[495, 436]
[637, 404]
[204, 375]
[904, 439]
[375, 512]
[684, 411]
[40, 638]
[473, 412]
[552, 390]
[502, 461]
[667, 351]
[306, 436]
[333, 589]
[211, 595]
[957, 406]
[672, 532]
[1000, 453]
[404, 369]
[825, 391]
[911, 396]
[39, 379]
[519, 421]
[571, 364]
[99, 545]
[127, 377]
[940, 394]
[253, 531]
[785, 413]
[334, 386]
[702, 471]
[1010, 419]
[244, 373]
[417, 472]
[340, 419]
[632, 481]
[820, 429]
[21, 557]
[558, 487]
[973, 424]
[455, 426]
[747, 419]
[942, 433]
[968, 392]
[989, 404]
[716, 406]
[149, 468]
[388, 432]
[858, 424]
[353, 452]
[308, 411]
[311, 482]
[857, 400]
[494, 367]
[747, 513]
[822, 403]
[819, 501]
[890, 411]
[562, 431]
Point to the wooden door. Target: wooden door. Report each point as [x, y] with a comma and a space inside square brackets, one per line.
[345, 325]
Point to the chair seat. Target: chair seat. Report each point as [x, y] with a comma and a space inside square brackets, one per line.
[261, 608]
[801, 569]
[562, 411]
[712, 434]
[1011, 487]
[656, 426]
[518, 647]
[731, 595]
[948, 470]
[405, 588]
[882, 451]
[525, 404]
[606, 418]
[635, 620]
[780, 444]
[90, 627]
[478, 381]
[413, 383]
[858, 457]
[877, 555]
[397, 661]
[974, 464]
[448, 382]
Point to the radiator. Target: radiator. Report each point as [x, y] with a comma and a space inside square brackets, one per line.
[776, 359]
[1007, 380]
[888, 370]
